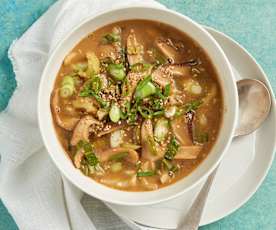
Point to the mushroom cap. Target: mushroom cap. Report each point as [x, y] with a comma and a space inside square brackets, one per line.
[64, 121]
[180, 130]
[81, 131]
[169, 50]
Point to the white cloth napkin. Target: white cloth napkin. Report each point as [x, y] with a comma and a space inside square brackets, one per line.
[31, 187]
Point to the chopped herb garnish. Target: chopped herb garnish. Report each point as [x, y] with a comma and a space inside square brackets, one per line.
[171, 149]
[88, 91]
[157, 104]
[92, 159]
[145, 112]
[96, 84]
[193, 105]
[145, 173]
[158, 113]
[189, 107]
[168, 165]
[90, 156]
[167, 90]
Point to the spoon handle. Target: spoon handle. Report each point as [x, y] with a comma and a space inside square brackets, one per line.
[192, 219]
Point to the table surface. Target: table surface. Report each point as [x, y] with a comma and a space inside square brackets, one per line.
[250, 22]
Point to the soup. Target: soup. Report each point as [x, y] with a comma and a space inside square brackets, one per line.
[137, 105]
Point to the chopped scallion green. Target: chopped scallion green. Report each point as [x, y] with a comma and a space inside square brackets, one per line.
[145, 173]
[118, 156]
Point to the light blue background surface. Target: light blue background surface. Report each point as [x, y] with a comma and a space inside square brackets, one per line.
[250, 22]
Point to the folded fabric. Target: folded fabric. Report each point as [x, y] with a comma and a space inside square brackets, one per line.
[31, 187]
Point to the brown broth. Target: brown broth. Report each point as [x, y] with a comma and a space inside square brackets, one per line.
[204, 73]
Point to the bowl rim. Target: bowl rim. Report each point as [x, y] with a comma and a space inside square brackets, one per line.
[69, 175]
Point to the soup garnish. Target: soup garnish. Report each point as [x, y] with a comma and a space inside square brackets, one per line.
[137, 105]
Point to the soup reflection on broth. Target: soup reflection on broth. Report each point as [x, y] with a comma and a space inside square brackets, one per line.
[137, 105]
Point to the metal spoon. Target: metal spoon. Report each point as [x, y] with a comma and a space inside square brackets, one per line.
[254, 107]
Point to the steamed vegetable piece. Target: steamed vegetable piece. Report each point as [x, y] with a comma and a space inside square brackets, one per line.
[137, 105]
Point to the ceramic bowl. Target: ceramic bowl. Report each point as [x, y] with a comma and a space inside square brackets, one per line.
[196, 32]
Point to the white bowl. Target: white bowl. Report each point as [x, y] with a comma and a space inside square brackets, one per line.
[226, 78]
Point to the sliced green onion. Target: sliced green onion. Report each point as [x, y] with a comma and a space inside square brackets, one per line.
[167, 164]
[145, 91]
[67, 80]
[167, 90]
[67, 86]
[118, 156]
[158, 113]
[145, 173]
[66, 91]
[115, 113]
[117, 71]
[171, 149]
[145, 112]
[161, 129]
[143, 82]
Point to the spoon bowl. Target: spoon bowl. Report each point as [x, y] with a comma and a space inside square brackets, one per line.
[254, 105]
